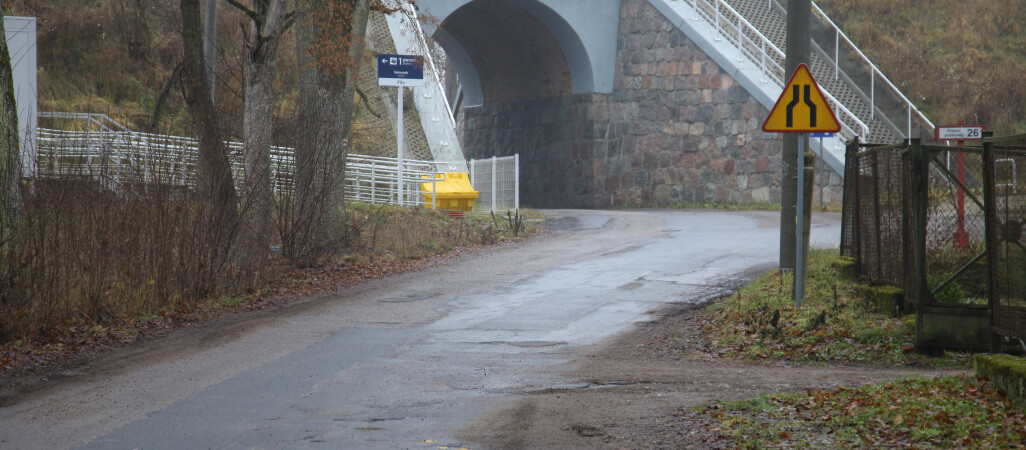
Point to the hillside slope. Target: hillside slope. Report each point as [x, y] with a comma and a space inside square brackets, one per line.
[955, 59]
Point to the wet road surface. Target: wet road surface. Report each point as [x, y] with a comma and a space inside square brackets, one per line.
[407, 361]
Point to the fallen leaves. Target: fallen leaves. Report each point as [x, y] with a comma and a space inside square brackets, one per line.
[75, 339]
[917, 412]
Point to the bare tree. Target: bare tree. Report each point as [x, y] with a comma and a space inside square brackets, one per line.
[329, 45]
[214, 174]
[10, 157]
[268, 20]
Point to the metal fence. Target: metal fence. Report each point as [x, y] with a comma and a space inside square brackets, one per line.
[1006, 160]
[943, 223]
[498, 182]
[98, 148]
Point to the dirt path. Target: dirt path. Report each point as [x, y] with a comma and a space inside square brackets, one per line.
[632, 390]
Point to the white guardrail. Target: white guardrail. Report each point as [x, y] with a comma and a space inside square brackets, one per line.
[106, 152]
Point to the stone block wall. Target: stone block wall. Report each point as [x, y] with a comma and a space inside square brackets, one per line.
[676, 129]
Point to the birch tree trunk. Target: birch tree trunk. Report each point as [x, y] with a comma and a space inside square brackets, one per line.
[10, 156]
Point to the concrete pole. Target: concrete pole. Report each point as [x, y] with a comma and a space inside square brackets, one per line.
[210, 44]
[799, 12]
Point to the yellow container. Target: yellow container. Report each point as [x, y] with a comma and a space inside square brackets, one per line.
[454, 192]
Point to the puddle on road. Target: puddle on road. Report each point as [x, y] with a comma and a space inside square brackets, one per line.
[411, 298]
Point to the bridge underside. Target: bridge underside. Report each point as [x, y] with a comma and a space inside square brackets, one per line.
[672, 128]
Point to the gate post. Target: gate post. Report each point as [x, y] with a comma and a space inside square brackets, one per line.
[920, 195]
[989, 222]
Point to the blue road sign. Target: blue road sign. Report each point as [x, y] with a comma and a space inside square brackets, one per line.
[400, 70]
[824, 135]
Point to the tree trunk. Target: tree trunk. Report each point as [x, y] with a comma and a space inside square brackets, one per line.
[304, 232]
[267, 23]
[326, 108]
[214, 177]
[10, 157]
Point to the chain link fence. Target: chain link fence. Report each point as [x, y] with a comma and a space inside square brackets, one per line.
[1006, 161]
[944, 223]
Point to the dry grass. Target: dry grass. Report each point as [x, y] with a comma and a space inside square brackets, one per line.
[956, 60]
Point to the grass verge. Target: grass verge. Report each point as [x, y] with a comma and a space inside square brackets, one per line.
[761, 323]
[954, 411]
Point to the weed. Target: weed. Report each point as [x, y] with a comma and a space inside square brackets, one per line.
[761, 322]
[955, 411]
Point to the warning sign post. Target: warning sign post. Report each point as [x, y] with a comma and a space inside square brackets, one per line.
[801, 108]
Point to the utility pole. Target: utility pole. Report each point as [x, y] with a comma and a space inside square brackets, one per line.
[799, 12]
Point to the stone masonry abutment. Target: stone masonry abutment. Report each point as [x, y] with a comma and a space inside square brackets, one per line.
[673, 128]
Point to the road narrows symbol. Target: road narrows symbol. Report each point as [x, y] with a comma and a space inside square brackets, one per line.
[795, 95]
[811, 105]
[806, 111]
[790, 107]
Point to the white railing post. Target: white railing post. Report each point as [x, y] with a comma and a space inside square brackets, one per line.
[516, 180]
[740, 39]
[872, 94]
[717, 17]
[837, 52]
[494, 183]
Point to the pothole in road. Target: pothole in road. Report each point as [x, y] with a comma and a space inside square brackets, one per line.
[588, 385]
[411, 298]
[525, 344]
[630, 286]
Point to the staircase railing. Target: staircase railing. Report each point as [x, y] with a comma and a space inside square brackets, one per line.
[874, 72]
[769, 58]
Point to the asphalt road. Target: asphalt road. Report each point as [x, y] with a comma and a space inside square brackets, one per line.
[407, 361]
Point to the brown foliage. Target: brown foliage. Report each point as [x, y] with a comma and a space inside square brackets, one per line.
[956, 60]
[91, 254]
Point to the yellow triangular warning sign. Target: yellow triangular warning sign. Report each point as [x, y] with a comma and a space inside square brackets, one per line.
[801, 108]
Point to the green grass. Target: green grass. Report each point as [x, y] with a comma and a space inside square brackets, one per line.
[761, 323]
[954, 411]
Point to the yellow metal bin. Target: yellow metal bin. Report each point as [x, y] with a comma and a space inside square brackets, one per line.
[454, 192]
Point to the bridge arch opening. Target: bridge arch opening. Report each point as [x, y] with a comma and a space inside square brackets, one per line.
[514, 50]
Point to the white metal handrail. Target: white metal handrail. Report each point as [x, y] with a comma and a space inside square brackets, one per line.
[118, 157]
[874, 73]
[770, 58]
[430, 99]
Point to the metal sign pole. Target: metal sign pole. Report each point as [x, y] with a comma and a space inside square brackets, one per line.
[399, 152]
[799, 280]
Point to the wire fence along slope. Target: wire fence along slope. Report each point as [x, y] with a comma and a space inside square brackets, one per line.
[950, 235]
[98, 148]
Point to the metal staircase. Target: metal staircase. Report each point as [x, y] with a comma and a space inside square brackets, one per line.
[841, 69]
[746, 38]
